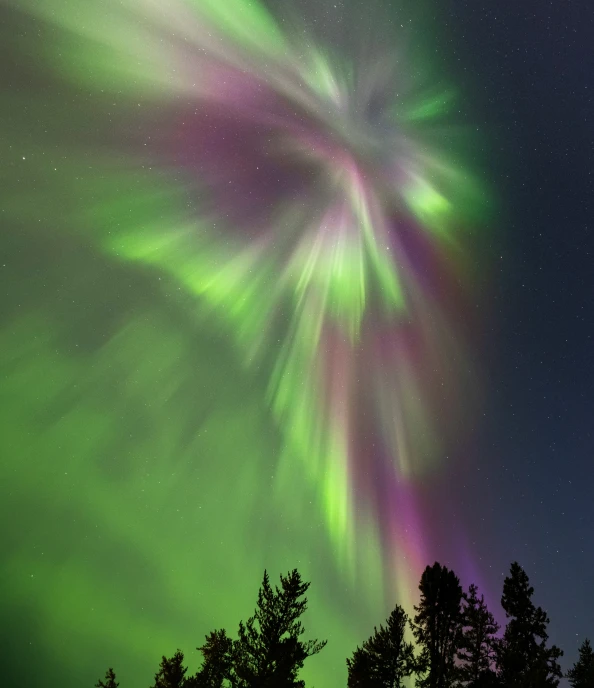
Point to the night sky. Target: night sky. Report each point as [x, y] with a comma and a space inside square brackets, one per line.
[289, 284]
[533, 70]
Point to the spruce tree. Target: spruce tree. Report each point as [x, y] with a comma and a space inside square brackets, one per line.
[217, 667]
[523, 659]
[476, 654]
[110, 680]
[437, 626]
[581, 674]
[171, 672]
[385, 659]
[269, 652]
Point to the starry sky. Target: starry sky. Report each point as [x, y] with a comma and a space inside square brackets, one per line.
[289, 284]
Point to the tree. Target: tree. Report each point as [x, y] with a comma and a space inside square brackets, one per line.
[385, 658]
[478, 641]
[524, 661]
[171, 672]
[110, 680]
[581, 674]
[437, 625]
[269, 652]
[217, 666]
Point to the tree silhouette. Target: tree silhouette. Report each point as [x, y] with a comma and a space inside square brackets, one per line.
[437, 626]
[110, 680]
[217, 666]
[385, 658]
[581, 674]
[524, 661]
[269, 652]
[478, 641]
[171, 672]
[455, 631]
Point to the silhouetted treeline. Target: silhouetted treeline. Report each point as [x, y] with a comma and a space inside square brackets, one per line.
[458, 644]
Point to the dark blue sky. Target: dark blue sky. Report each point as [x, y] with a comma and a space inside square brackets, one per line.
[531, 68]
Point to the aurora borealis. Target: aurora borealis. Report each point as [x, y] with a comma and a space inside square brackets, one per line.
[245, 248]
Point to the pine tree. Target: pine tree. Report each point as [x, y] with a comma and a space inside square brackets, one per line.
[581, 674]
[171, 672]
[476, 653]
[437, 626]
[110, 680]
[217, 666]
[523, 659]
[385, 658]
[269, 652]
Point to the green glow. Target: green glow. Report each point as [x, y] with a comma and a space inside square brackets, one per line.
[429, 206]
[430, 106]
[321, 78]
[244, 21]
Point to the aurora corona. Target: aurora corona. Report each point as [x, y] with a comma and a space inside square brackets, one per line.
[303, 198]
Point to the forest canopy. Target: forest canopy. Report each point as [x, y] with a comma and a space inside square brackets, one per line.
[451, 641]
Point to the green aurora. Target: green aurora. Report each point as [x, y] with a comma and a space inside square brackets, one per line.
[158, 454]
